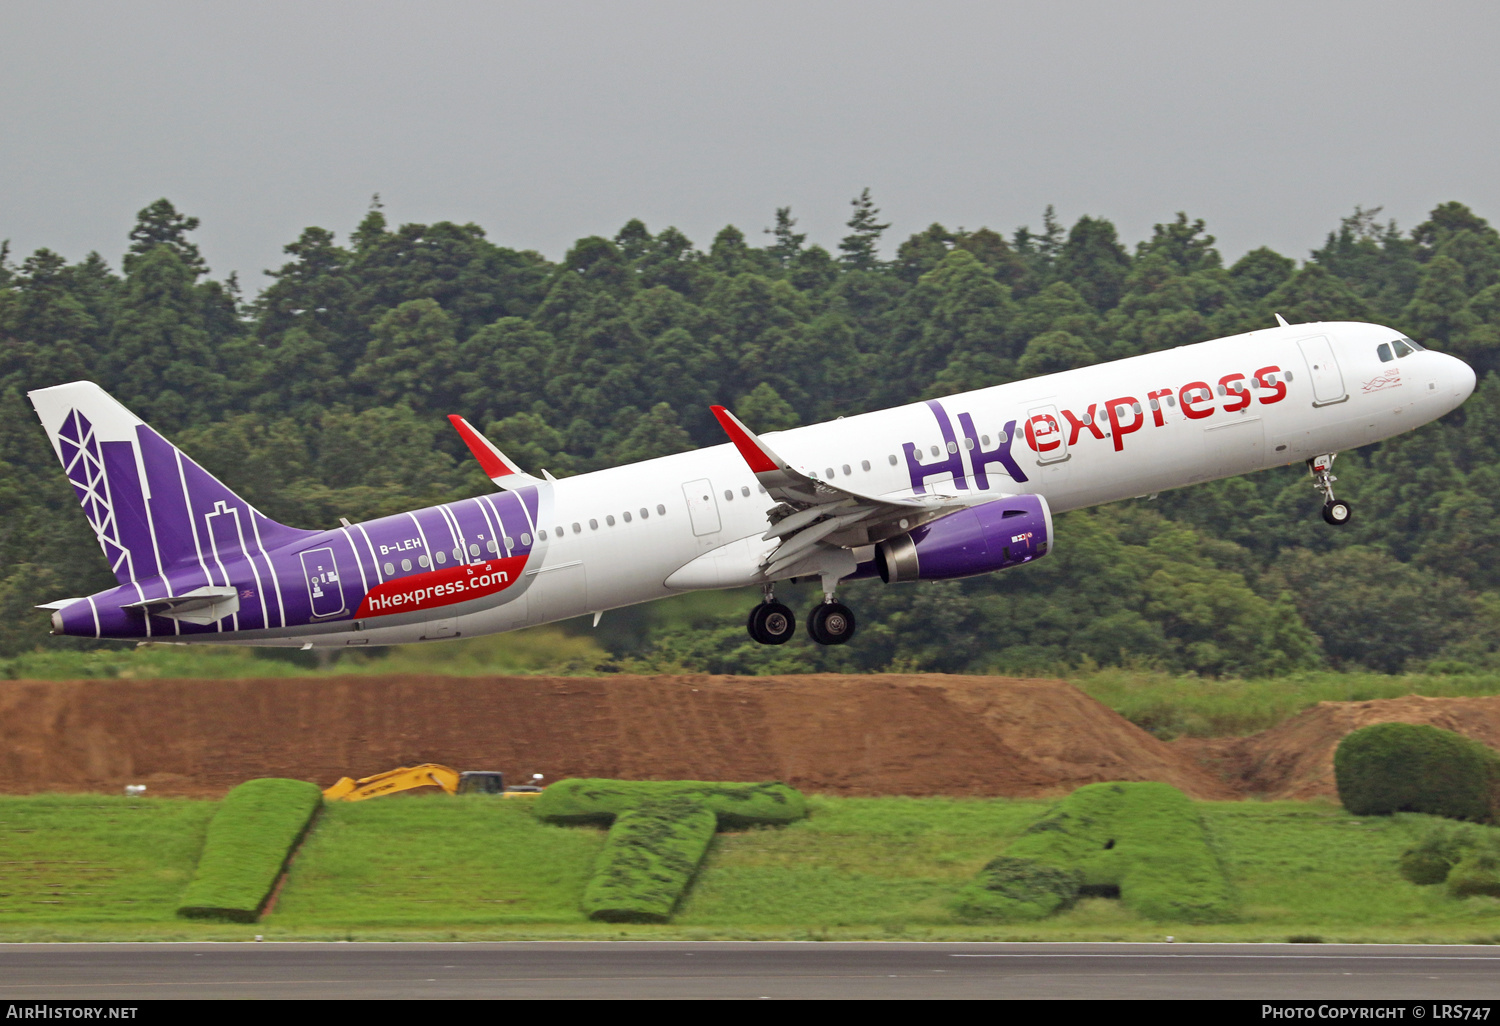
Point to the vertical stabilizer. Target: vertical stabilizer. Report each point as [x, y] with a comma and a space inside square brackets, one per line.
[151, 507]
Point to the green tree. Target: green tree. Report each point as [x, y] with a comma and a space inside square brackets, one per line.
[1093, 262]
[861, 246]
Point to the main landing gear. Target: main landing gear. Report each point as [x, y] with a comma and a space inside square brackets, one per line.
[829, 623]
[1335, 511]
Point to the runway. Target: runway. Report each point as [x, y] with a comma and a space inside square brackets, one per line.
[747, 971]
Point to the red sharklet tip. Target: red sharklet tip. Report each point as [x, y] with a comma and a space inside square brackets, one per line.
[749, 446]
[488, 456]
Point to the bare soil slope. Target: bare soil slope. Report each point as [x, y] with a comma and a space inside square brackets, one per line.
[890, 734]
[1295, 759]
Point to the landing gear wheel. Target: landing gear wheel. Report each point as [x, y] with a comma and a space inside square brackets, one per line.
[1337, 512]
[831, 623]
[771, 623]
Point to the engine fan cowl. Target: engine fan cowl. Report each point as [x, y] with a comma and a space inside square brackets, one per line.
[978, 540]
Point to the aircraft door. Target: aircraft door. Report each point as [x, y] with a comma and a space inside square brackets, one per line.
[1045, 436]
[703, 510]
[1323, 367]
[324, 590]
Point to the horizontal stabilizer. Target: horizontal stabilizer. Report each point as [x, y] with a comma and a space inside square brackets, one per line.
[59, 604]
[498, 467]
[201, 605]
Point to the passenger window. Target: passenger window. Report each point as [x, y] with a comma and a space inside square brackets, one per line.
[627, 516]
[389, 569]
[474, 549]
[525, 538]
[968, 443]
[729, 495]
[492, 545]
[847, 471]
[441, 557]
[984, 440]
[610, 520]
[864, 465]
[934, 450]
[661, 510]
[422, 561]
[892, 460]
[510, 542]
[745, 490]
[953, 447]
[593, 524]
[645, 513]
[405, 565]
[542, 534]
[830, 473]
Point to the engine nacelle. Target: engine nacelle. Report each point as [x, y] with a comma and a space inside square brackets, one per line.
[977, 540]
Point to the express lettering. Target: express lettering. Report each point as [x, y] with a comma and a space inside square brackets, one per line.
[1127, 415]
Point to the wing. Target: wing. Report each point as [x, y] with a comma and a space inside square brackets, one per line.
[496, 465]
[810, 512]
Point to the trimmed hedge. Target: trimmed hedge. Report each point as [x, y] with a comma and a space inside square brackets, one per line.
[661, 832]
[250, 838]
[1408, 767]
[596, 800]
[1142, 841]
[648, 860]
[1465, 856]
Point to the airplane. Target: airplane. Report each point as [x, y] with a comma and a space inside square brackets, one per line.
[946, 488]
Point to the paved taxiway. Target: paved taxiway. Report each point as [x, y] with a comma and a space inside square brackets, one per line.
[746, 970]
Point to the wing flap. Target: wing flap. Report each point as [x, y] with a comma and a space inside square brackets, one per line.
[811, 512]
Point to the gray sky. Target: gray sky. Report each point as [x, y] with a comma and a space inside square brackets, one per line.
[547, 121]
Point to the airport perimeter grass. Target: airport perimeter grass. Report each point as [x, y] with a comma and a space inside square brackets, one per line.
[471, 868]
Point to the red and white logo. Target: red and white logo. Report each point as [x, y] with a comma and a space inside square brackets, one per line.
[442, 587]
[1390, 379]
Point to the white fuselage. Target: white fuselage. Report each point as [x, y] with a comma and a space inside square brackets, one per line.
[695, 520]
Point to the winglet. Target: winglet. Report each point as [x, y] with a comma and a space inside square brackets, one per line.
[495, 464]
[761, 459]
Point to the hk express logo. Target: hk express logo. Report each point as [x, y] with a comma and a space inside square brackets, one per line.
[1052, 431]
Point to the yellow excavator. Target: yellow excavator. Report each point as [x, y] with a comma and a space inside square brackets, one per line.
[430, 774]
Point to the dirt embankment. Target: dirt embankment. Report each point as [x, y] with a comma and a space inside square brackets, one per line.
[921, 734]
[892, 734]
[1295, 759]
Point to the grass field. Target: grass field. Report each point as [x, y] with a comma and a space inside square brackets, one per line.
[93, 868]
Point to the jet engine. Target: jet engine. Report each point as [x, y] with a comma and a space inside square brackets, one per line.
[992, 536]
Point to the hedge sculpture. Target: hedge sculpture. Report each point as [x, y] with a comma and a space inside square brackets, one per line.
[659, 833]
[1141, 842]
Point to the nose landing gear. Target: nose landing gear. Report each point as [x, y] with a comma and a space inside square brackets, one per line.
[1335, 511]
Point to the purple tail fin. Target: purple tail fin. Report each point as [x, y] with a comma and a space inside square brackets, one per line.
[151, 507]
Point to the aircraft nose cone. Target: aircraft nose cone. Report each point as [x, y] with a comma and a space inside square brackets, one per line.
[1463, 379]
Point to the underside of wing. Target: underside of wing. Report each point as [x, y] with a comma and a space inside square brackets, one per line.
[812, 516]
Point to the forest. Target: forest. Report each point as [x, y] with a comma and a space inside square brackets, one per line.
[324, 393]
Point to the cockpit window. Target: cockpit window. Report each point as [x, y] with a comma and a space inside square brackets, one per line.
[1402, 349]
[1419, 347]
[1385, 352]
